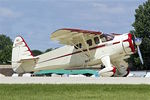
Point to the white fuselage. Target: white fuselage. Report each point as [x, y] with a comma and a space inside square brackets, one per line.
[68, 57]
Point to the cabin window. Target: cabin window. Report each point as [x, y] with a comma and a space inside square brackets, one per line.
[89, 42]
[78, 46]
[96, 40]
[106, 37]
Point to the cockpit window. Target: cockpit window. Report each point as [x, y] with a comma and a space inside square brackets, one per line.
[80, 45]
[106, 37]
[103, 39]
[96, 40]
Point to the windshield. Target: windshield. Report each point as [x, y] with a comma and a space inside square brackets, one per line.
[106, 37]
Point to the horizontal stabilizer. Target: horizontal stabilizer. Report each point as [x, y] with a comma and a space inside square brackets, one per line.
[27, 59]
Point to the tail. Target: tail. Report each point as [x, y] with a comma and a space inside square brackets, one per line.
[22, 58]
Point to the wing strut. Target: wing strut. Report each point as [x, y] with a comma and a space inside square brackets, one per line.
[83, 53]
[89, 55]
[86, 46]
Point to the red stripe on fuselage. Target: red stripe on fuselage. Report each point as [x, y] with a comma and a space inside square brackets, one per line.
[116, 42]
[100, 46]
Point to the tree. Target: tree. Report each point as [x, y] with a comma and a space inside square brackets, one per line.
[5, 49]
[142, 29]
[36, 52]
[50, 49]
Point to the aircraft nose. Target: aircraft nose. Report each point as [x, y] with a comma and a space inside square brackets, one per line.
[138, 41]
[128, 43]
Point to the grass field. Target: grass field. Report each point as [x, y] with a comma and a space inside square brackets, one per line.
[74, 92]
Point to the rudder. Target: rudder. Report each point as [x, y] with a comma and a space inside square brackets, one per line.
[20, 52]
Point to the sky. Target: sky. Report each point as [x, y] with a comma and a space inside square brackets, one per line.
[35, 20]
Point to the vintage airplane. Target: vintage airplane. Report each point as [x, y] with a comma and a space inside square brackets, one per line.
[83, 49]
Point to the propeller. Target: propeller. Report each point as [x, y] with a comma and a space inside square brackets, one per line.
[138, 42]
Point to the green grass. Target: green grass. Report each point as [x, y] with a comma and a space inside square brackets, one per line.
[74, 92]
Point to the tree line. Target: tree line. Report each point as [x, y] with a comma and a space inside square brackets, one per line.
[6, 45]
[141, 29]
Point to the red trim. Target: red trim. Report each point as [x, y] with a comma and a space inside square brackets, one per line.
[116, 42]
[82, 31]
[77, 52]
[127, 40]
[95, 47]
[73, 53]
[26, 45]
[130, 42]
[114, 70]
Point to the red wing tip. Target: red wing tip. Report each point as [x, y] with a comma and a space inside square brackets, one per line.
[82, 31]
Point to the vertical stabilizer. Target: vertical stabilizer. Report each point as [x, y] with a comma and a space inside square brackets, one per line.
[22, 58]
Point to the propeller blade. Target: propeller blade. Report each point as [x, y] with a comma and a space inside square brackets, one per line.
[138, 41]
[134, 35]
[140, 55]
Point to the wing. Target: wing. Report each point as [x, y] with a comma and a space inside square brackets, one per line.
[70, 36]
